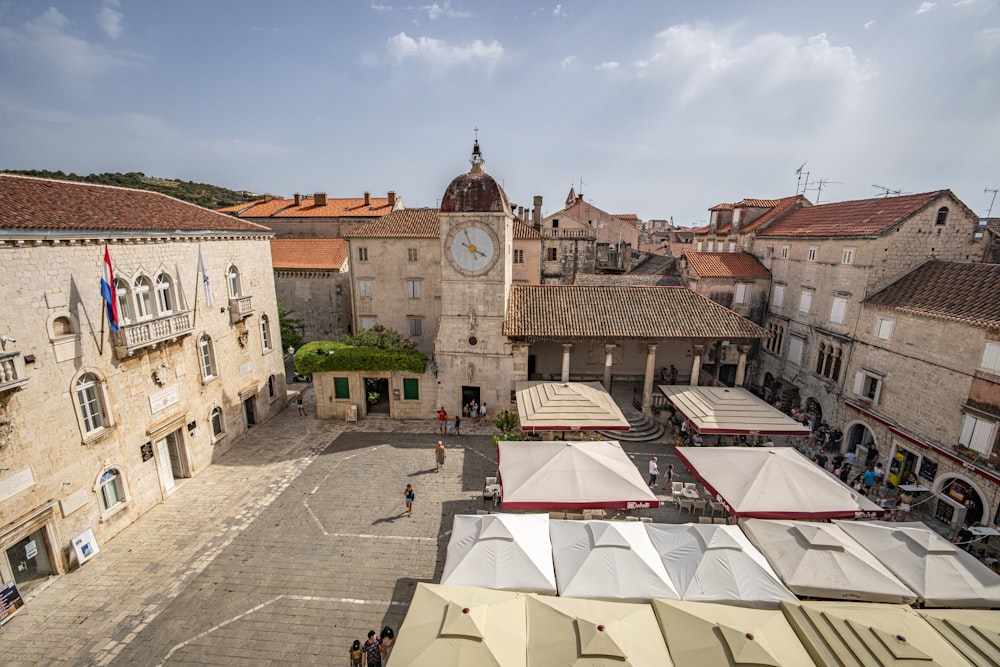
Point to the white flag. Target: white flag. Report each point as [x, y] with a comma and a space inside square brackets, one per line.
[204, 277]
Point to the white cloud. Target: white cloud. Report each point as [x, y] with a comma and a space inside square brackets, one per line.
[110, 19]
[925, 7]
[435, 10]
[559, 10]
[439, 53]
[381, 8]
[869, 25]
[567, 62]
[608, 65]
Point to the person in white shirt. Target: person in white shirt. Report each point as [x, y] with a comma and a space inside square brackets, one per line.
[654, 470]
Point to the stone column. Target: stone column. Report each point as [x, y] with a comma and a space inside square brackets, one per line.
[718, 363]
[741, 365]
[699, 350]
[647, 380]
[567, 347]
[608, 351]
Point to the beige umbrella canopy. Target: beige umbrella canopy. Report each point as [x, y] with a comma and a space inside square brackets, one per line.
[462, 625]
[593, 633]
[974, 632]
[854, 634]
[706, 633]
[567, 406]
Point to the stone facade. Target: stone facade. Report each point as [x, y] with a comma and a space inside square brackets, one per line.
[101, 427]
[318, 297]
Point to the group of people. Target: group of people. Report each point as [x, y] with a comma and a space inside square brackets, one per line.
[454, 426]
[668, 375]
[654, 472]
[375, 651]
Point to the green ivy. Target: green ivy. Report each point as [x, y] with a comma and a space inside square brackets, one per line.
[319, 356]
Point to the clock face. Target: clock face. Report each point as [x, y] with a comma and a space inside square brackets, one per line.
[472, 248]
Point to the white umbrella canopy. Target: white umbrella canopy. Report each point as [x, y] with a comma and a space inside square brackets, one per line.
[774, 483]
[567, 406]
[570, 475]
[717, 563]
[609, 560]
[462, 625]
[822, 561]
[941, 574]
[593, 633]
[700, 634]
[501, 551]
[729, 410]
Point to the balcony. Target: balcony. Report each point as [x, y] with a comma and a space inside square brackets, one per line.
[150, 333]
[588, 234]
[12, 375]
[240, 308]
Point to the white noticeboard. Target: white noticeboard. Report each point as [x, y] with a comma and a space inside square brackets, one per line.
[85, 545]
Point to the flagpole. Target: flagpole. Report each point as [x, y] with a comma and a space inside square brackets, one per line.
[194, 316]
[100, 341]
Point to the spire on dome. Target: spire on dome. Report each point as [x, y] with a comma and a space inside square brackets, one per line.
[477, 157]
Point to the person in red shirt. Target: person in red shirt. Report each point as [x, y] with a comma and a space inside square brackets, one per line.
[442, 419]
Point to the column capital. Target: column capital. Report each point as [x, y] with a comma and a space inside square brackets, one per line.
[651, 348]
[698, 349]
[609, 348]
[743, 349]
[567, 347]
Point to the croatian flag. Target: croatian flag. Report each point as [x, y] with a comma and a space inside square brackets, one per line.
[107, 291]
[204, 277]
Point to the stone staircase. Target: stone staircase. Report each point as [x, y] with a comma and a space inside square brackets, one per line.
[641, 429]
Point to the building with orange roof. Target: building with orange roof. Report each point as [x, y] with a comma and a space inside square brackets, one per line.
[312, 283]
[316, 216]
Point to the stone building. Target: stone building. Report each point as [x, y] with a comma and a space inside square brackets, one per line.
[923, 385]
[97, 427]
[582, 238]
[317, 216]
[312, 282]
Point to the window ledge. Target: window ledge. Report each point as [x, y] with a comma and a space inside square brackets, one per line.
[107, 515]
[209, 380]
[216, 439]
[97, 436]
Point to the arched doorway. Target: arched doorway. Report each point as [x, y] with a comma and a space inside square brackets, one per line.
[768, 387]
[962, 491]
[861, 441]
[815, 412]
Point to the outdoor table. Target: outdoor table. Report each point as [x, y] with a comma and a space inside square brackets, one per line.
[984, 531]
[914, 488]
[491, 493]
[690, 493]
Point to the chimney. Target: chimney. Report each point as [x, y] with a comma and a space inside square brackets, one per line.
[392, 199]
[298, 199]
[536, 214]
[520, 213]
[319, 199]
[368, 199]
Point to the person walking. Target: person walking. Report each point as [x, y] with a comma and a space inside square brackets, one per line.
[442, 419]
[458, 425]
[668, 477]
[482, 413]
[410, 495]
[300, 405]
[386, 638]
[654, 470]
[373, 651]
[355, 654]
[439, 455]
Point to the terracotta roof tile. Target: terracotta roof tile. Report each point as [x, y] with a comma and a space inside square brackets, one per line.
[955, 291]
[308, 253]
[628, 217]
[524, 231]
[726, 265]
[265, 209]
[781, 208]
[758, 203]
[402, 224]
[573, 311]
[633, 279]
[44, 204]
[335, 208]
[863, 217]
[722, 207]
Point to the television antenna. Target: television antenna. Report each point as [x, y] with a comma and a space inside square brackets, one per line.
[798, 183]
[992, 201]
[887, 191]
[822, 183]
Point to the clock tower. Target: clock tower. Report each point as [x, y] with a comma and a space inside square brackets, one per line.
[470, 351]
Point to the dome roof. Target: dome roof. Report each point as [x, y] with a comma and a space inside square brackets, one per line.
[475, 191]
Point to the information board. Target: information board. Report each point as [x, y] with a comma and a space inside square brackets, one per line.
[11, 601]
[944, 512]
[928, 469]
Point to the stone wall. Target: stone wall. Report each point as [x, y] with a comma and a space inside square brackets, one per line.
[321, 299]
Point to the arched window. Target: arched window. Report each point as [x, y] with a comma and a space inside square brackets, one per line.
[62, 326]
[942, 216]
[207, 357]
[121, 295]
[112, 491]
[90, 400]
[143, 306]
[218, 426]
[270, 386]
[164, 295]
[822, 357]
[233, 279]
[265, 333]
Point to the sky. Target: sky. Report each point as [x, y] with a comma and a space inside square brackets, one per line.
[662, 109]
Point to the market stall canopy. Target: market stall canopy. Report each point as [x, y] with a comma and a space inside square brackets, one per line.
[729, 411]
[567, 406]
[716, 563]
[462, 625]
[774, 483]
[501, 551]
[701, 634]
[612, 560]
[974, 632]
[820, 560]
[868, 635]
[938, 571]
[561, 475]
[567, 631]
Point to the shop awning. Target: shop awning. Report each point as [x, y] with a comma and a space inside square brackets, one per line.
[567, 406]
[729, 411]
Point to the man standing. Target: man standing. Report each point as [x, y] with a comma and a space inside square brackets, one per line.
[442, 419]
[964, 537]
[439, 455]
[482, 413]
[654, 470]
[409, 495]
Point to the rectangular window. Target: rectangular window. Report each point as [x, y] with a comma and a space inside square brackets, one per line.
[795, 347]
[867, 386]
[411, 254]
[366, 288]
[362, 254]
[367, 323]
[991, 358]
[784, 252]
[978, 434]
[519, 256]
[805, 301]
[551, 254]
[732, 246]
[768, 252]
[413, 289]
[698, 247]
[848, 257]
[779, 296]
[411, 389]
[711, 246]
[883, 328]
[341, 388]
[812, 253]
[838, 310]
[742, 293]
[416, 326]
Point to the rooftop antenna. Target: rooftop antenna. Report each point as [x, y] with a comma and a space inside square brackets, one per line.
[992, 201]
[887, 191]
[799, 172]
[822, 183]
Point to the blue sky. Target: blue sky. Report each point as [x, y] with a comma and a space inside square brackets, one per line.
[661, 108]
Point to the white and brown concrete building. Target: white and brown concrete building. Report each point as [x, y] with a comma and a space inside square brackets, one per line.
[313, 285]
[97, 427]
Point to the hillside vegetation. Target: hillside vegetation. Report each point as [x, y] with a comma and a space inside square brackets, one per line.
[202, 194]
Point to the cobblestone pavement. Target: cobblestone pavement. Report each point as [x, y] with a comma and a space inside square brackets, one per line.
[292, 545]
